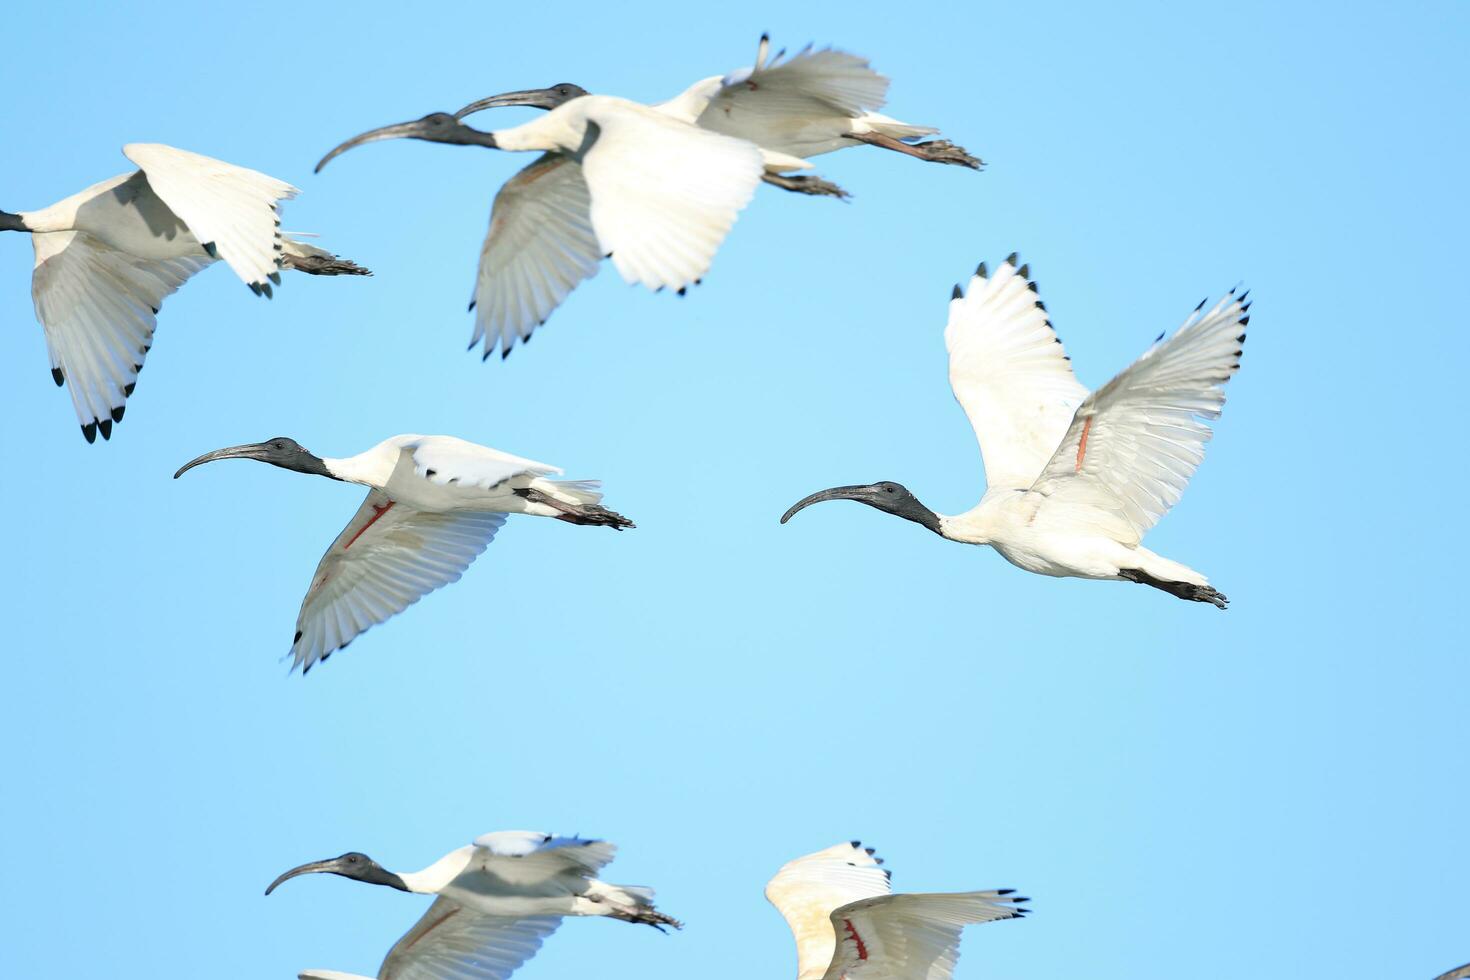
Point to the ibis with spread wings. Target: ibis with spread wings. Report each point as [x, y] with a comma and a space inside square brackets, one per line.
[539, 247]
[496, 901]
[107, 257]
[434, 503]
[1074, 479]
[848, 924]
[619, 180]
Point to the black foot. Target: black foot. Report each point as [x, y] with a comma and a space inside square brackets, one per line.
[591, 514]
[648, 916]
[943, 151]
[315, 265]
[1184, 590]
[596, 516]
[815, 186]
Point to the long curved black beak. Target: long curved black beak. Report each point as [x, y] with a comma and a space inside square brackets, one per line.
[332, 866]
[417, 129]
[537, 98]
[865, 493]
[254, 450]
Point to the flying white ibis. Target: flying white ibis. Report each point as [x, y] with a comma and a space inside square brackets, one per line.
[541, 243]
[618, 180]
[106, 258]
[1074, 480]
[498, 899]
[433, 504]
[848, 925]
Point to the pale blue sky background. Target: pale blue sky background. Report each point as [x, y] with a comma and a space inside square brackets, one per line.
[1278, 791]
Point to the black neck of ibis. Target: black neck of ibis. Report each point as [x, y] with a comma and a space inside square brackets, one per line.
[353, 864]
[891, 498]
[281, 451]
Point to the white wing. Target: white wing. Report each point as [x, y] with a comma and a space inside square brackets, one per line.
[806, 890]
[910, 937]
[446, 459]
[539, 247]
[1010, 374]
[1137, 440]
[452, 942]
[98, 307]
[388, 557]
[229, 207]
[664, 192]
[529, 863]
[776, 104]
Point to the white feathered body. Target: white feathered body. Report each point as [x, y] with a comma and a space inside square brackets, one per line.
[1076, 478]
[443, 473]
[1060, 538]
[124, 213]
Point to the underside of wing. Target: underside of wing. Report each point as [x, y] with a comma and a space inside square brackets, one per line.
[452, 942]
[664, 193]
[1010, 374]
[776, 104]
[1135, 442]
[388, 557]
[229, 208]
[540, 246]
[99, 309]
[911, 937]
[807, 889]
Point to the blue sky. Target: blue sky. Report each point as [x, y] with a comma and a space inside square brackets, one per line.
[1277, 791]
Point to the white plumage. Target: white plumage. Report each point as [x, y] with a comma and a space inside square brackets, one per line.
[617, 180]
[434, 504]
[497, 901]
[107, 257]
[1074, 480]
[542, 242]
[815, 102]
[847, 924]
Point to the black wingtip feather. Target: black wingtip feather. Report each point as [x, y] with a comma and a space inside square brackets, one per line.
[58, 377]
[1011, 259]
[89, 432]
[957, 293]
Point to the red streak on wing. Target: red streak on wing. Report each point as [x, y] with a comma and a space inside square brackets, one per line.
[862, 947]
[1082, 445]
[447, 916]
[377, 513]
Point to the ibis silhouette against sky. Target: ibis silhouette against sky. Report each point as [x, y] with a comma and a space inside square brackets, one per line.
[107, 256]
[434, 503]
[1073, 480]
[497, 901]
[847, 924]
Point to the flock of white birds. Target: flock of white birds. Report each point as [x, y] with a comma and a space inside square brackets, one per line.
[1075, 479]
[499, 898]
